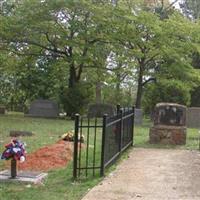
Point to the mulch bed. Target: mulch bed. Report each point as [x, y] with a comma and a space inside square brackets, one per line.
[50, 157]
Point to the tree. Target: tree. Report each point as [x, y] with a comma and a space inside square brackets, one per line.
[62, 29]
[57, 31]
[165, 91]
[150, 42]
[81, 35]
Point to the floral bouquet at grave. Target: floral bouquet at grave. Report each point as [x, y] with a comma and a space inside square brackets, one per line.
[14, 150]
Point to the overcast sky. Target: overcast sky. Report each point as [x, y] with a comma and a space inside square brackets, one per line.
[176, 4]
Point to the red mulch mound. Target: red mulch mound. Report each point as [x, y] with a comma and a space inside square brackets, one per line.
[49, 157]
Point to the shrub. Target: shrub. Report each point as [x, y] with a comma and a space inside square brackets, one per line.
[76, 99]
[171, 91]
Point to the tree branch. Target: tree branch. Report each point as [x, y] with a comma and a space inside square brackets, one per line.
[148, 80]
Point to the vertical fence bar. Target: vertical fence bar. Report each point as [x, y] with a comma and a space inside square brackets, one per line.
[88, 142]
[77, 116]
[121, 130]
[103, 144]
[94, 152]
[80, 146]
[199, 140]
[133, 125]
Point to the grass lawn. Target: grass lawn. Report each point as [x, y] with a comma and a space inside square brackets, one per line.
[59, 184]
[142, 137]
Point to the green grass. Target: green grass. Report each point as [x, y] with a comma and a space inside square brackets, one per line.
[46, 131]
[141, 138]
[59, 184]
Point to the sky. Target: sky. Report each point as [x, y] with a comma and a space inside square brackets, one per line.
[176, 4]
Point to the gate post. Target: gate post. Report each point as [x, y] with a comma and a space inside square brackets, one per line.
[103, 144]
[120, 131]
[76, 130]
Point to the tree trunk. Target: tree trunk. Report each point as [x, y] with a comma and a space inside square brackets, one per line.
[72, 76]
[98, 92]
[139, 89]
[117, 94]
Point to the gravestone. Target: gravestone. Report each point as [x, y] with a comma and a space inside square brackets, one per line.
[2, 110]
[43, 108]
[98, 110]
[20, 133]
[138, 116]
[193, 117]
[169, 124]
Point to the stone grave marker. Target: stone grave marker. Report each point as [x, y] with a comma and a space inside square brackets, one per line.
[2, 110]
[43, 108]
[138, 116]
[98, 110]
[193, 117]
[169, 124]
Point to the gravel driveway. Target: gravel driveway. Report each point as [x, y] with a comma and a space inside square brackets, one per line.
[152, 174]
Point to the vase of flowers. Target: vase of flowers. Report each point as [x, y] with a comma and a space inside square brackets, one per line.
[15, 151]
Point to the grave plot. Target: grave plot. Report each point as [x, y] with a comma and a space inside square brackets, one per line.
[49, 157]
[37, 163]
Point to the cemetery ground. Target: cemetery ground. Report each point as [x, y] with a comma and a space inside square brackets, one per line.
[59, 184]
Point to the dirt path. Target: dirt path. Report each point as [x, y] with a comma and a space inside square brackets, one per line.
[152, 174]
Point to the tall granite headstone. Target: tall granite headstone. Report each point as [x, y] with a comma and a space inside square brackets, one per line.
[138, 116]
[99, 109]
[193, 117]
[44, 108]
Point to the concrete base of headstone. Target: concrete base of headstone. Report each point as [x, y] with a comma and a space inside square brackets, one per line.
[23, 176]
[175, 135]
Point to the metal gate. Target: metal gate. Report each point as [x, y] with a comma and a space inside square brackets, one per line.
[104, 140]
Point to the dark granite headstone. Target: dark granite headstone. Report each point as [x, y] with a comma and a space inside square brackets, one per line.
[170, 114]
[98, 110]
[44, 108]
[2, 110]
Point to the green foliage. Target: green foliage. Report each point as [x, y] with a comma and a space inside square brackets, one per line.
[195, 97]
[172, 91]
[58, 44]
[76, 99]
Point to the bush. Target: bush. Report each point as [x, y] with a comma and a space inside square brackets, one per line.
[171, 91]
[76, 99]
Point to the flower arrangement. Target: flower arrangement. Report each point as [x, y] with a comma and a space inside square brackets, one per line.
[69, 136]
[14, 150]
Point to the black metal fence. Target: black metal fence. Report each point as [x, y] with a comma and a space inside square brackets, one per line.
[104, 140]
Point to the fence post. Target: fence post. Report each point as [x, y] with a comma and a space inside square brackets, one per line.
[120, 131]
[133, 124]
[103, 144]
[77, 116]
